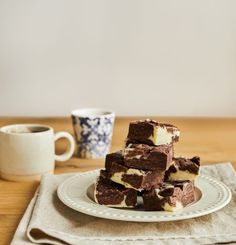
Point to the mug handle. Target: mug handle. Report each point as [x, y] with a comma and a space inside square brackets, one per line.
[69, 152]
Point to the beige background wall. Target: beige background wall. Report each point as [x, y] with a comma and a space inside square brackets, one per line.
[136, 57]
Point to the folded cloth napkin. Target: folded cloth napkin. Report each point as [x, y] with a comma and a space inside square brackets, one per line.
[47, 220]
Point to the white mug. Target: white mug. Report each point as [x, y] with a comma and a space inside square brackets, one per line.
[28, 150]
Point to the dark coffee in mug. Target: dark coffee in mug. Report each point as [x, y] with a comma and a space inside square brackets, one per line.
[26, 130]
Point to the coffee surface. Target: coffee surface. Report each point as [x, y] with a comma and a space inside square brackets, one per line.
[26, 130]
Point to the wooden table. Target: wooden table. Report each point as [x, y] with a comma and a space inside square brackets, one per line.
[214, 140]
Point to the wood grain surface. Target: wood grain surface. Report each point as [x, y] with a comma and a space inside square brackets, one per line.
[213, 139]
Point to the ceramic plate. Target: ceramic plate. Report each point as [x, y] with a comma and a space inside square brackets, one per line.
[77, 193]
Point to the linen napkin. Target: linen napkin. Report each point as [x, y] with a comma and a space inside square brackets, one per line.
[49, 221]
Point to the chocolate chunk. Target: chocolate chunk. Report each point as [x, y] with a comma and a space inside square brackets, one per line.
[183, 169]
[104, 174]
[135, 178]
[111, 194]
[167, 191]
[153, 133]
[170, 197]
[147, 157]
[113, 157]
[196, 160]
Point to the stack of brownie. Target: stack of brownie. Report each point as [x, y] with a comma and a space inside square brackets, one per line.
[147, 167]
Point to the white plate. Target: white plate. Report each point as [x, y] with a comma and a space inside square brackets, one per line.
[76, 192]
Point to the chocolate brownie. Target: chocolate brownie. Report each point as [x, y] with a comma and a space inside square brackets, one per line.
[113, 195]
[153, 133]
[171, 196]
[145, 157]
[183, 169]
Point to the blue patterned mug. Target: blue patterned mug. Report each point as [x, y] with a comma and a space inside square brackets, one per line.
[93, 132]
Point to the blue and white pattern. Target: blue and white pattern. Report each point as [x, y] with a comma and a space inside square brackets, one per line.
[93, 135]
